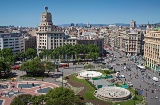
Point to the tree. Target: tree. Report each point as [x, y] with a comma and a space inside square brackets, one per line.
[30, 53]
[22, 99]
[38, 100]
[93, 48]
[20, 55]
[45, 54]
[93, 55]
[3, 66]
[36, 67]
[57, 96]
[7, 55]
[62, 96]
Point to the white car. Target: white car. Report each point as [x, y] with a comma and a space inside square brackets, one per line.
[130, 84]
[155, 79]
[122, 76]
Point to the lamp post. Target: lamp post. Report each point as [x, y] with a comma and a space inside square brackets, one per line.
[62, 77]
[135, 97]
[158, 69]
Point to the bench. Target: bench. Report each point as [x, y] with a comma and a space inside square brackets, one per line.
[4, 79]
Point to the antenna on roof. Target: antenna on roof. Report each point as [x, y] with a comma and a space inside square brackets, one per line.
[46, 8]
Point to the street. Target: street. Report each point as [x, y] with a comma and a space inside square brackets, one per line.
[138, 79]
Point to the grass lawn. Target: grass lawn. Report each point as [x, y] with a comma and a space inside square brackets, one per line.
[89, 94]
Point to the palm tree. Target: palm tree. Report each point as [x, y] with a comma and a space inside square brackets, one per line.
[45, 54]
[76, 50]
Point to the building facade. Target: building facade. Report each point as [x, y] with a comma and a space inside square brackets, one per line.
[134, 43]
[152, 50]
[15, 41]
[132, 24]
[50, 36]
[30, 42]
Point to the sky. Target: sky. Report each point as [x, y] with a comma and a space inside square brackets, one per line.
[28, 12]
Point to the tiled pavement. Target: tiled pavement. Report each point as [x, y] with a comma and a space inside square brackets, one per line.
[23, 87]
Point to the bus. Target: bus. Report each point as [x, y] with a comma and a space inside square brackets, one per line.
[141, 68]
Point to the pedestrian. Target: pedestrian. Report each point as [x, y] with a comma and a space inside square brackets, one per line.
[146, 94]
[21, 88]
[140, 85]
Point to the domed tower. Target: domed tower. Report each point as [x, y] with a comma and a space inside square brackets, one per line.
[49, 36]
[46, 18]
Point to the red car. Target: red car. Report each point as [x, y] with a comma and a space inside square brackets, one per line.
[63, 65]
[16, 67]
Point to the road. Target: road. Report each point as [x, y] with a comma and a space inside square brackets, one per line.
[139, 82]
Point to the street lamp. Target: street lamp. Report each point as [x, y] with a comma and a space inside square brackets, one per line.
[62, 77]
[135, 97]
[158, 69]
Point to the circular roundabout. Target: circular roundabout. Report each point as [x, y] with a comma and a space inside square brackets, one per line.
[90, 74]
[112, 93]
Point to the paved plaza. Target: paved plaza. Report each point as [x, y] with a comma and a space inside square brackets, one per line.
[8, 90]
[140, 82]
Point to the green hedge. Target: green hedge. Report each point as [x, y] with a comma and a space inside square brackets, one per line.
[91, 84]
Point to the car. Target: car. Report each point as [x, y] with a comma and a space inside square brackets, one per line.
[155, 79]
[130, 84]
[121, 76]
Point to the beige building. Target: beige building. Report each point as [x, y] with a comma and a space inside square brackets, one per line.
[50, 36]
[152, 50]
[134, 43]
[129, 42]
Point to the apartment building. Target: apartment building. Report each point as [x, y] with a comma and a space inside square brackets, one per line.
[30, 42]
[152, 50]
[91, 38]
[134, 43]
[15, 41]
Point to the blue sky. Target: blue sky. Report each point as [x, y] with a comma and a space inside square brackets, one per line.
[28, 12]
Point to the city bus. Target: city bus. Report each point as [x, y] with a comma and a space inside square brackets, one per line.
[141, 68]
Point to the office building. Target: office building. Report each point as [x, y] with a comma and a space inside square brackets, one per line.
[15, 41]
[133, 24]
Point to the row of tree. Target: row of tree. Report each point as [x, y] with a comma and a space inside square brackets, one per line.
[7, 59]
[57, 96]
[77, 52]
[72, 52]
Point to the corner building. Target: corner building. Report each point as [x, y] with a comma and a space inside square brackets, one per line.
[50, 36]
[152, 50]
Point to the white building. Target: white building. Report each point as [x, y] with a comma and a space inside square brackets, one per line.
[15, 41]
